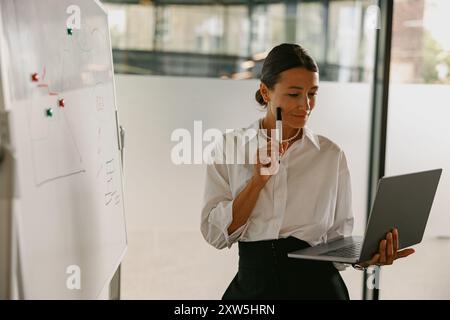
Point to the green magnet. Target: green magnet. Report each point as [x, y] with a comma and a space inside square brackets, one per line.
[69, 31]
[49, 112]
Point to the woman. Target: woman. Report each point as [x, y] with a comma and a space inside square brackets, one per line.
[304, 200]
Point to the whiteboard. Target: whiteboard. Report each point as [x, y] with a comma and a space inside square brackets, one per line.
[69, 195]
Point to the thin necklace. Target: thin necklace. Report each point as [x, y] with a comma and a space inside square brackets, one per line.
[286, 140]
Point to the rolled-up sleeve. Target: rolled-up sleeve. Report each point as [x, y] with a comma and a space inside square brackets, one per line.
[217, 210]
[343, 218]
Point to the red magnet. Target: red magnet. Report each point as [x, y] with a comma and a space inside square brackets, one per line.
[61, 103]
[35, 77]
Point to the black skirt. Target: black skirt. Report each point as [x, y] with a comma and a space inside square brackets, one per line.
[266, 272]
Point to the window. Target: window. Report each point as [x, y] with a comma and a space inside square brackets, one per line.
[177, 39]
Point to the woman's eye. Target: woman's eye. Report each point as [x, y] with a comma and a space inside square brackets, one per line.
[295, 95]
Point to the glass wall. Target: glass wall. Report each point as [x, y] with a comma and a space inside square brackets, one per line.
[210, 39]
[166, 248]
[176, 38]
[417, 139]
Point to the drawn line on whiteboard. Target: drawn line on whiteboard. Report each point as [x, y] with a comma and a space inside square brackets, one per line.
[111, 193]
[72, 136]
[44, 85]
[110, 169]
[59, 177]
[108, 195]
[41, 181]
[44, 73]
[67, 127]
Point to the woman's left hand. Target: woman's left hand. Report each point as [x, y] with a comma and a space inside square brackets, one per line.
[388, 251]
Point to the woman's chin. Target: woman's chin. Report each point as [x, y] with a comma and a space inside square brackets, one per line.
[299, 122]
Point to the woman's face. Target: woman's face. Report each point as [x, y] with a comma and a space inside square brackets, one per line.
[295, 93]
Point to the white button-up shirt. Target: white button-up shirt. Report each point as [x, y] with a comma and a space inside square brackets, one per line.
[308, 198]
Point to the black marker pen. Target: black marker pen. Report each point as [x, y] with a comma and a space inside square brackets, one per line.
[278, 130]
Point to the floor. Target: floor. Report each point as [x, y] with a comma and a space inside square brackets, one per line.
[177, 264]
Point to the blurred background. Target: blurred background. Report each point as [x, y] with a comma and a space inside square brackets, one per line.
[229, 38]
[178, 61]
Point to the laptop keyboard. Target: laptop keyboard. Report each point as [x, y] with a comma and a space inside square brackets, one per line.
[351, 251]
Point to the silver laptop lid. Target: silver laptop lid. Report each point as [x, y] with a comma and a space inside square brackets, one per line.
[404, 202]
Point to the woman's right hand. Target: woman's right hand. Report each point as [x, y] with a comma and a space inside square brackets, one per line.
[267, 161]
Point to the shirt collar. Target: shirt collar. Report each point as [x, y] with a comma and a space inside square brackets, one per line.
[307, 131]
[312, 137]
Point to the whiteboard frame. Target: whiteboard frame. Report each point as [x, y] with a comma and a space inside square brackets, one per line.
[6, 240]
[114, 282]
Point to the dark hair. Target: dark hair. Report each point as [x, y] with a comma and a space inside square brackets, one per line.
[283, 57]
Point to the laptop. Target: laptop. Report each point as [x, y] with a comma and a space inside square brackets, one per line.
[403, 202]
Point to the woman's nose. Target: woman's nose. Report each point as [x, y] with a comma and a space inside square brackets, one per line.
[304, 104]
